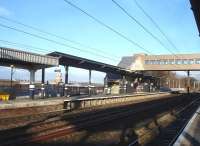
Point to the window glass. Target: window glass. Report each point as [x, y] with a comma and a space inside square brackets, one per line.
[146, 61]
[161, 62]
[170, 61]
[197, 61]
[191, 61]
[178, 61]
[166, 61]
[156, 61]
[173, 61]
[185, 61]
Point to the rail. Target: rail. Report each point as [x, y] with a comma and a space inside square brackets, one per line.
[81, 123]
[135, 142]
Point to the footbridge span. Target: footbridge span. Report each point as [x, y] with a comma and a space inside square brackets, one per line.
[177, 62]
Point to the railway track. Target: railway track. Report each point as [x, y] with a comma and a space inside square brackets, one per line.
[58, 128]
[36, 117]
[168, 135]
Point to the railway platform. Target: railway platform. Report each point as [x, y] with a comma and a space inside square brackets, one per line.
[12, 104]
[190, 135]
[28, 102]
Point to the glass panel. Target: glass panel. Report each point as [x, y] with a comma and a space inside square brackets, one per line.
[185, 61]
[197, 61]
[178, 61]
[161, 62]
[191, 61]
[156, 62]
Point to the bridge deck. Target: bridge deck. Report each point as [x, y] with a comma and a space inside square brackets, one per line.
[26, 60]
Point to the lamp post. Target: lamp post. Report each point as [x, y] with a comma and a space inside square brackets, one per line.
[11, 75]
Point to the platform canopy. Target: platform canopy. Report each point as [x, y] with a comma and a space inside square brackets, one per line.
[26, 60]
[196, 10]
[74, 61]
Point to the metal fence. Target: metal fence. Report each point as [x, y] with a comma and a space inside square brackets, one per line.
[50, 90]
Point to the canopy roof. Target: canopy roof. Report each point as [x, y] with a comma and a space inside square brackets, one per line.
[196, 10]
[74, 61]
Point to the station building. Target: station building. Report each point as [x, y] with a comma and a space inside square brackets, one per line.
[142, 82]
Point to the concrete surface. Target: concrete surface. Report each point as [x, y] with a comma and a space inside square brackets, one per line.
[11, 104]
[191, 134]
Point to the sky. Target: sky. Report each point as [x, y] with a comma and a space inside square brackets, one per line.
[173, 16]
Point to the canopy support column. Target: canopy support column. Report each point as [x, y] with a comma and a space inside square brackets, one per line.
[188, 81]
[89, 85]
[43, 83]
[66, 80]
[32, 81]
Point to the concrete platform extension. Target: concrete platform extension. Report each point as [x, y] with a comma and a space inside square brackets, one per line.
[191, 134]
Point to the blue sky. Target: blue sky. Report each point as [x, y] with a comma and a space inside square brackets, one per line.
[173, 16]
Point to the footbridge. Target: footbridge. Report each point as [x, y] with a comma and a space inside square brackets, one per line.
[176, 62]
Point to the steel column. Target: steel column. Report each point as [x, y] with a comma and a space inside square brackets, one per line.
[89, 85]
[43, 75]
[32, 81]
[11, 76]
[188, 81]
[32, 76]
[43, 83]
[106, 84]
[149, 85]
[66, 74]
[198, 85]
[124, 84]
[66, 80]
